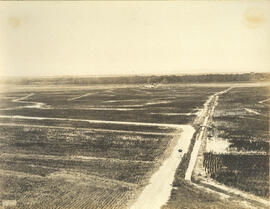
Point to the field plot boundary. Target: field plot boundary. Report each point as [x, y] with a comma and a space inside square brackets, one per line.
[88, 129]
[76, 158]
[78, 97]
[263, 101]
[252, 111]
[22, 98]
[93, 121]
[36, 105]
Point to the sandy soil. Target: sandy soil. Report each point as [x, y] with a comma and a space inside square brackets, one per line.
[217, 145]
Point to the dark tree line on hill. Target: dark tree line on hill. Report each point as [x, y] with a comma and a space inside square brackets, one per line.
[163, 79]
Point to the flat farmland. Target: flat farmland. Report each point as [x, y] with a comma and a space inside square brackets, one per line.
[89, 148]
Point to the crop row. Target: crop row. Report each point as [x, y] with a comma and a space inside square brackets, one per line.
[246, 172]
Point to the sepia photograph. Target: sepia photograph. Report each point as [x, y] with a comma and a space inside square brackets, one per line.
[134, 104]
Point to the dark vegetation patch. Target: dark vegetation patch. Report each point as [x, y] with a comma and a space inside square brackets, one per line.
[249, 173]
[240, 145]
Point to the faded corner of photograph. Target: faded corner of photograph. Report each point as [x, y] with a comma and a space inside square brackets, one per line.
[134, 104]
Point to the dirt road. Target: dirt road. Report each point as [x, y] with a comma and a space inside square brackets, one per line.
[202, 120]
[158, 191]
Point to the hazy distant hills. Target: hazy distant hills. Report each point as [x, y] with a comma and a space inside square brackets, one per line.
[160, 79]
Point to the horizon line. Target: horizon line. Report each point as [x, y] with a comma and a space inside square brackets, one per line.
[128, 75]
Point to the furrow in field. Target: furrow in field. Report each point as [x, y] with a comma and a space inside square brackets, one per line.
[108, 200]
[94, 201]
[75, 203]
[121, 201]
[61, 200]
[100, 199]
[18, 173]
[74, 176]
[90, 200]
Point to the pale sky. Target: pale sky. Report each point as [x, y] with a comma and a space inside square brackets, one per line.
[144, 37]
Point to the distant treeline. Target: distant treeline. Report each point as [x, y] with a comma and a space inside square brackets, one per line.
[162, 79]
